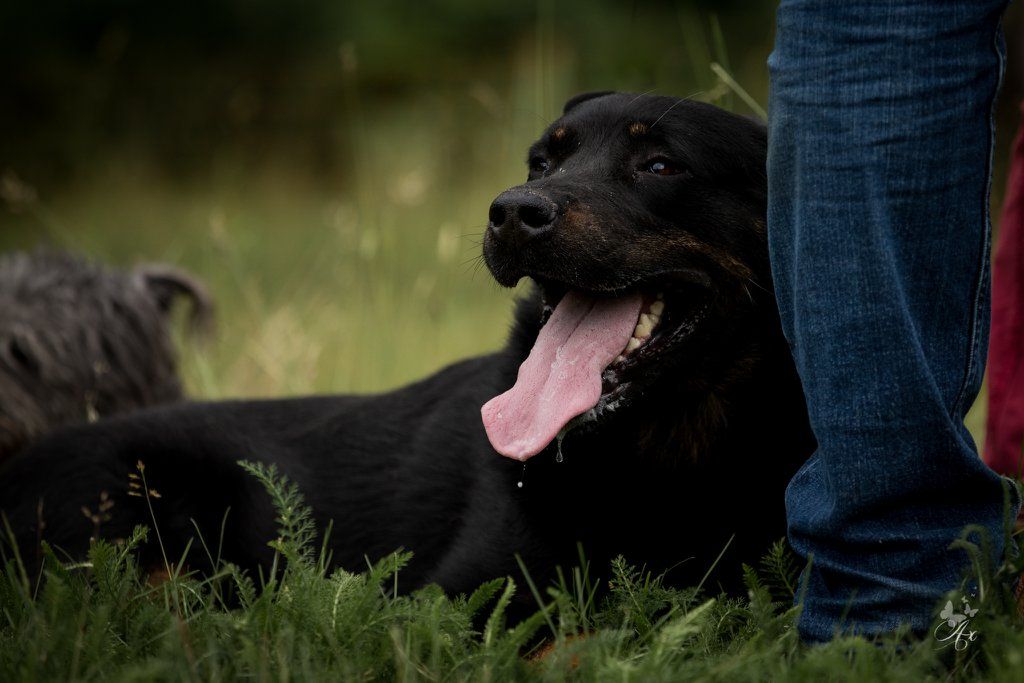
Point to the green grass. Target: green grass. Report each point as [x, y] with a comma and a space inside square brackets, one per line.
[101, 620]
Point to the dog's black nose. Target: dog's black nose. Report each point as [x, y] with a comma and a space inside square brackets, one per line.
[519, 216]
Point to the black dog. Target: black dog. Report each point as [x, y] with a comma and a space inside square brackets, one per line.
[79, 341]
[647, 377]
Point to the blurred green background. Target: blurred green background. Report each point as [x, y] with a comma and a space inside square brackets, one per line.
[327, 166]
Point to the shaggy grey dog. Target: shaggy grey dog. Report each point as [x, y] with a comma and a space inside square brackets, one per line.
[79, 341]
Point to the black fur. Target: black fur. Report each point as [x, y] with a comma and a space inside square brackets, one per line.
[583, 97]
[706, 430]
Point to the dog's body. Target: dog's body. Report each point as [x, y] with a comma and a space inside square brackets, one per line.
[699, 424]
[79, 341]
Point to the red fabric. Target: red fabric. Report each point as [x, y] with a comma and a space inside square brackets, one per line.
[1004, 441]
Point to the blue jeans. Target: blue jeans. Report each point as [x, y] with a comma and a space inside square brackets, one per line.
[879, 161]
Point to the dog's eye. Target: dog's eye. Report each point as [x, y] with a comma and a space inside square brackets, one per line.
[539, 165]
[661, 166]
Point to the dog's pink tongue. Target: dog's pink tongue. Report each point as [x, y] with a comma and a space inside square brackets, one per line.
[562, 376]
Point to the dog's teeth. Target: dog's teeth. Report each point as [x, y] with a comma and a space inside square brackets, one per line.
[619, 358]
[633, 344]
[657, 307]
[644, 327]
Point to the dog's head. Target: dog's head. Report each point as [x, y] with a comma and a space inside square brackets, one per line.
[79, 341]
[642, 222]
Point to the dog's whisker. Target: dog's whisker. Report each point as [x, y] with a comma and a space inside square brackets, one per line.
[758, 285]
[643, 94]
[665, 113]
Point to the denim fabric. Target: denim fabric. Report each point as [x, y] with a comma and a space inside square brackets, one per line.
[879, 161]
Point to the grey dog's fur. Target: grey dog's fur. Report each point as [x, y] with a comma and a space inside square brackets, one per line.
[79, 340]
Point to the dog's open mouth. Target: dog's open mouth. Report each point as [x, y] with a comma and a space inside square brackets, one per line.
[589, 350]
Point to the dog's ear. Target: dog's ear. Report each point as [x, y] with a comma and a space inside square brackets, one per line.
[583, 97]
[166, 283]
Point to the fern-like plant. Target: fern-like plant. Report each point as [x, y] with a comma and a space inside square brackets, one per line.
[296, 530]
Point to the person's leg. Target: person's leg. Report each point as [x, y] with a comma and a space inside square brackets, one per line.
[880, 137]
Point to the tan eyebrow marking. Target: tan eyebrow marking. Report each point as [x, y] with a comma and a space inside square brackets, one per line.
[559, 133]
[637, 128]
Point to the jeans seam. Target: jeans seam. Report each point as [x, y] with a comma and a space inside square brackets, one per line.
[986, 249]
